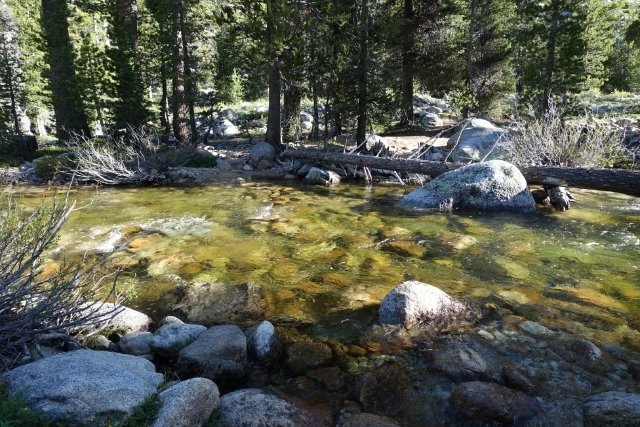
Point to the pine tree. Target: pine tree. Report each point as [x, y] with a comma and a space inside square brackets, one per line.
[68, 107]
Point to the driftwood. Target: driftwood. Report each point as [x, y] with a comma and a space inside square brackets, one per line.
[616, 180]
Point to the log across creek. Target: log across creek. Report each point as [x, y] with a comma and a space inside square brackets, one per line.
[617, 180]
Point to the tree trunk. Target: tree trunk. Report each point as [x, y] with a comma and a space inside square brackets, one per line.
[178, 103]
[551, 54]
[616, 180]
[406, 115]
[9, 79]
[164, 107]
[189, 84]
[67, 105]
[363, 74]
[274, 129]
[315, 130]
[291, 129]
[128, 15]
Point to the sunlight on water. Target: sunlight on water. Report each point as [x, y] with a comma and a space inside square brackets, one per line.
[321, 253]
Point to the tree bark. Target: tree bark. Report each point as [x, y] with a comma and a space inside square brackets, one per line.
[363, 74]
[469, 68]
[178, 102]
[408, 42]
[164, 107]
[616, 180]
[67, 105]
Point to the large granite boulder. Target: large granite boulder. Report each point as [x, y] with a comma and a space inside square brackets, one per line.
[189, 403]
[494, 185]
[85, 386]
[126, 320]
[612, 409]
[259, 408]
[414, 302]
[219, 353]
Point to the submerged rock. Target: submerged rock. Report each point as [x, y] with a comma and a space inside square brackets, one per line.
[494, 185]
[385, 390]
[464, 361]
[85, 386]
[304, 356]
[188, 403]
[369, 420]
[219, 353]
[415, 302]
[210, 303]
[612, 409]
[258, 408]
[492, 402]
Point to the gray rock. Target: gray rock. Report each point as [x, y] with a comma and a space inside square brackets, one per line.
[171, 338]
[306, 126]
[434, 109]
[258, 408]
[306, 117]
[612, 409]
[262, 151]
[415, 302]
[304, 169]
[169, 320]
[535, 329]
[303, 356]
[219, 353]
[431, 120]
[225, 129]
[188, 403]
[136, 344]
[322, 177]
[100, 342]
[464, 361]
[494, 185]
[376, 144]
[492, 402]
[369, 420]
[263, 342]
[127, 320]
[474, 139]
[85, 385]
[436, 157]
[210, 303]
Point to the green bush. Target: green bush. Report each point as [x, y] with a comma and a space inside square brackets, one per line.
[14, 412]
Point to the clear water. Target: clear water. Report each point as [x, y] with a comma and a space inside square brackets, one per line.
[325, 256]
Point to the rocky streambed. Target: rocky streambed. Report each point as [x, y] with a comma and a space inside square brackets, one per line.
[545, 333]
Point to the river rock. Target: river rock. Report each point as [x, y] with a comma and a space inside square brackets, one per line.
[219, 353]
[136, 344]
[535, 329]
[169, 320]
[304, 356]
[464, 361]
[322, 177]
[579, 350]
[263, 342]
[385, 390]
[188, 403]
[369, 420]
[430, 119]
[126, 321]
[492, 402]
[331, 377]
[262, 151]
[173, 337]
[84, 386]
[494, 185]
[210, 303]
[612, 409]
[257, 408]
[225, 129]
[415, 302]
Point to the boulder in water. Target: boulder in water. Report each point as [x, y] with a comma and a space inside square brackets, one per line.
[494, 185]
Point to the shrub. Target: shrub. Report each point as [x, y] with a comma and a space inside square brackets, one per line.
[553, 139]
[112, 160]
[32, 304]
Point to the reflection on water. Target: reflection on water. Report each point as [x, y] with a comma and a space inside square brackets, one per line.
[325, 256]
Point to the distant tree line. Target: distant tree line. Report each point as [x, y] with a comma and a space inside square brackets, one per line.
[85, 66]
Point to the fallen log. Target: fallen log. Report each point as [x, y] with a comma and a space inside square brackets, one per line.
[616, 180]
